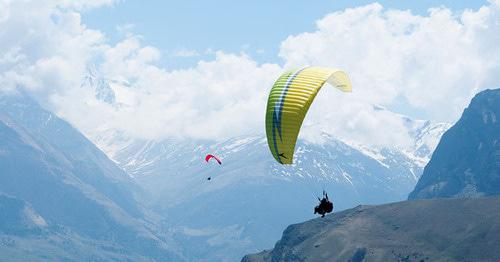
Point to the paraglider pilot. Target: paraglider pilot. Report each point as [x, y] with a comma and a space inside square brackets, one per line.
[325, 206]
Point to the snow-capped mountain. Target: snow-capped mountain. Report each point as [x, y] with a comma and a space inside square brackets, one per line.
[251, 198]
[103, 92]
[426, 136]
[117, 93]
[465, 165]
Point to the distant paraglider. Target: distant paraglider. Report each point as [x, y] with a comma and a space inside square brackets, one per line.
[289, 100]
[208, 157]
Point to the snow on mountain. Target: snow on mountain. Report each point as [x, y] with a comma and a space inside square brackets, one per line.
[425, 136]
[112, 92]
[251, 198]
[103, 92]
[465, 165]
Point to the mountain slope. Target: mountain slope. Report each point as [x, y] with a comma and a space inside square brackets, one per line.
[424, 230]
[466, 163]
[85, 201]
[26, 236]
[251, 199]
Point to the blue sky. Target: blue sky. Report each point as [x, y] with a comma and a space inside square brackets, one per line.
[255, 27]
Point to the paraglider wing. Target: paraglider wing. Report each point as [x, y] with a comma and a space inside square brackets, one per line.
[208, 157]
[289, 100]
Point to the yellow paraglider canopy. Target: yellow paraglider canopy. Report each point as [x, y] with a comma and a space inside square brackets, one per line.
[289, 100]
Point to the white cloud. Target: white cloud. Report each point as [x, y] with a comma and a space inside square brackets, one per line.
[215, 99]
[441, 58]
[351, 119]
[44, 48]
[430, 60]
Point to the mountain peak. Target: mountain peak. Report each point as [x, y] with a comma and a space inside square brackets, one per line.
[466, 163]
[94, 80]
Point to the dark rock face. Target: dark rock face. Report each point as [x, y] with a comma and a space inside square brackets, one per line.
[422, 230]
[466, 163]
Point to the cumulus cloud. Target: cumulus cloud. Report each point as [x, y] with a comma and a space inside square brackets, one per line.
[44, 48]
[440, 58]
[216, 99]
[391, 54]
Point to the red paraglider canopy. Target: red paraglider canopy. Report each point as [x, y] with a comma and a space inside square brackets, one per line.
[214, 157]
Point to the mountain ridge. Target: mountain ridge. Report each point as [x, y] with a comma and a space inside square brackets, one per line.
[87, 204]
[466, 163]
[201, 214]
[418, 230]
[442, 224]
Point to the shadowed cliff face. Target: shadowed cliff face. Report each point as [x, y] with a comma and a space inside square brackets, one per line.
[422, 230]
[466, 162]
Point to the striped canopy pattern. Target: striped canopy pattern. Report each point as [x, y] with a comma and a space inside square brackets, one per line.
[289, 100]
